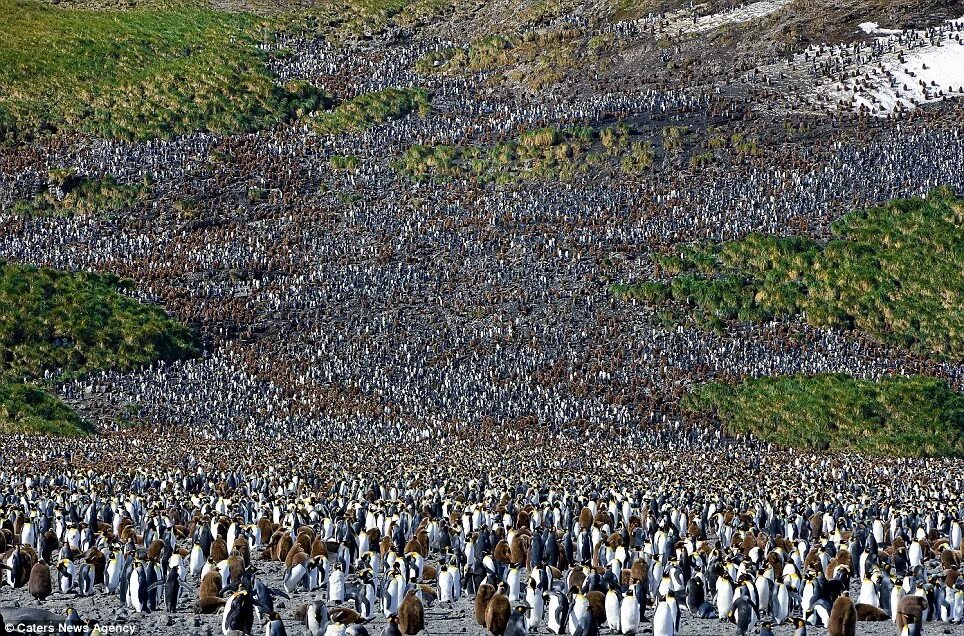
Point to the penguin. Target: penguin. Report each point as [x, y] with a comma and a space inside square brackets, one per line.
[843, 617]
[365, 597]
[629, 613]
[336, 585]
[317, 618]
[724, 595]
[558, 612]
[586, 626]
[411, 615]
[275, 626]
[518, 623]
[743, 614]
[172, 589]
[40, 585]
[239, 613]
[391, 628]
[137, 589]
[870, 613]
[482, 598]
[536, 602]
[664, 620]
[613, 604]
[497, 612]
[85, 579]
[910, 615]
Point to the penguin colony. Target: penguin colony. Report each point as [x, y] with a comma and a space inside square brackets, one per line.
[846, 546]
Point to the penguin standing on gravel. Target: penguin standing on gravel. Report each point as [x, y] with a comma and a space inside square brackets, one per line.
[274, 627]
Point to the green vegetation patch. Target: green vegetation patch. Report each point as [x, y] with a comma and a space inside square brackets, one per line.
[372, 108]
[60, 324]
[895, 272]
[907, 417]
[28, 409]
[539, 154]
[70, 195]
[135, 74]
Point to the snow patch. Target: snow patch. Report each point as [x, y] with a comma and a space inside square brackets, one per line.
[736, 15]
[896, 70]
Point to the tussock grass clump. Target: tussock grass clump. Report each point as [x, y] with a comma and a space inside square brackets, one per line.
[69, 195]
[141, 73]
[896, 416]
[895, 272]
[28, 409]
[56, 324]
[540, 154]
[372, 108]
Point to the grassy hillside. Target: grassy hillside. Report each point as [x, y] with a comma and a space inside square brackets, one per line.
[135, 74]
[56, 323]
[911, 417]
[895, 272]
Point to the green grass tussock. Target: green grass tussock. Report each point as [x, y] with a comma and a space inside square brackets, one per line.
[895, 272]
[70, 195]
[896, 416]
[140, 73]
[368, 109]
[540, 154]
[69, 323]
[28, 409]
[61, 324]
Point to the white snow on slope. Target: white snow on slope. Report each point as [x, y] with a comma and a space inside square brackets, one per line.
[737, 15]
[897, 70]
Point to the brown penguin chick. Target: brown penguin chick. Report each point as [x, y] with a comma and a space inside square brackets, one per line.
[951, 576]
[640, 570]
[422, 537]
[319, 548]
[502, 553]
[575, 578]
[523, 519]
[615, 540]
[386, 546]
[39, 584]
[210, 585]
[154, 550]
[343, 615]
[693, 531]
[910, 610]
[626, 577]
[98, 561]
[208, 605]
[482, 598]
[285, 542]
[497, 613]
[950, 559]
[870, 613]
[305, 540]
[429, 572]
[413, 545]
[519, 549]
[843, 618]
[297, 556]
[816, 525]
[597, 605]
[411, 615]
[128, 534]
[219, 550]
[585, 518]
[265, 527]
[374, 536]
[236, 567]
[242, 549]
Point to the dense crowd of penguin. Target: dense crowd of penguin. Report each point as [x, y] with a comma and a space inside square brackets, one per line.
[421, 410]
[624, 547]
